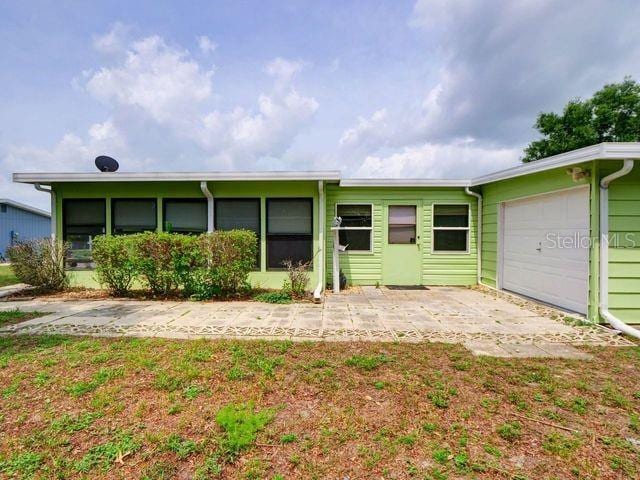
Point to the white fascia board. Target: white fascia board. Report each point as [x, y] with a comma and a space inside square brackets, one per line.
[22, 206]
[49, 178]
[602, 151]
[402, 182]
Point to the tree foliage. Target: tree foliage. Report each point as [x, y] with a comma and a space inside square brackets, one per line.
[611, 115]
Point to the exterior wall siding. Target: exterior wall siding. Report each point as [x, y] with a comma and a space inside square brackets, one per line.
[624, 246]
[23, 224]
[363, 268]
[160, 190]
[539, 183]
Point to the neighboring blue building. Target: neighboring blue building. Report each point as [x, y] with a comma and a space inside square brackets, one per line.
[19, 222]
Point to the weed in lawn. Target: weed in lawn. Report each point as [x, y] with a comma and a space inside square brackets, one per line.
[103, 456]
[174, 409]
[441, 455]
[279, 297]
[634, 422]
[561, 445]
[192, 392]
[288, 438]
[74, 423]
[510, 431]
[24, 464]
[159, 471]
[182, 447]
[441, 395]
[579, 405]
[41, 379]
[237, 373]
[429, 427]
[461, 461]
[10, 317]
[379, 385]
[98, 379]
[167, 382]
[241, 424]
[516, 399]
[490, 404]
[408, 440]
[367, 362]
[624, 465]
[210, 468]
[612, 396]
[491, 450]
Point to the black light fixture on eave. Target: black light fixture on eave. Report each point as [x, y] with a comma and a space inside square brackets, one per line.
[106, 164]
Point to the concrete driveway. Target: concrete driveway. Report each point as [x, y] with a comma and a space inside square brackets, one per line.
[480, 320]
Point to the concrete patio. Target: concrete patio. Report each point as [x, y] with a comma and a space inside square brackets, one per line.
[484, 323]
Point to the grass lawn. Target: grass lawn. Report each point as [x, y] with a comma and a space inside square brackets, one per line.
[158, 409]
[6, 276]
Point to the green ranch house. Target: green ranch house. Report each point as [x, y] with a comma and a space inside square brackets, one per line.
[536, 229]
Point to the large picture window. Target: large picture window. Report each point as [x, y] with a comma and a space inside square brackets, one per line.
[402, 224]
[356, 227]
[451, 228]
[289, 231]
[133, 215]
[239, 213]
[82, 220]
[185, 215]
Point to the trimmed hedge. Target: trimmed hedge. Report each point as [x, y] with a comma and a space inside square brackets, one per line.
[204, 266]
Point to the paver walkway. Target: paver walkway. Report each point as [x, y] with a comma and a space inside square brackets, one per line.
[484, 323]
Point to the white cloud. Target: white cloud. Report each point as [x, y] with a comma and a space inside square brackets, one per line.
[114, 41]
[367, 130]
[206, 44]
[460, 159]
[284, 70]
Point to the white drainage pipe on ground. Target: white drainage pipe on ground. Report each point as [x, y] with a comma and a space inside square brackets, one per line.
[50, 191]
[317, 293]
[604, 252]
[468, 191]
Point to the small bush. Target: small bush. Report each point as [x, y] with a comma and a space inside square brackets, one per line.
[273, 297]
[40, 263]
[297, 278]
[113, 258]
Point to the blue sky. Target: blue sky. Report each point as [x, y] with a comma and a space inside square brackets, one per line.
[429, 88]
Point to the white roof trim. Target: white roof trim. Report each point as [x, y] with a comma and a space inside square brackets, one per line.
[22, 206]
[401, 182]
[48, 178]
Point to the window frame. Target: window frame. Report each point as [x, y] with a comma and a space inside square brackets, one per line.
[132, 199]
[258, 267]
[181, 200]
[268, 200]
[358, 252]
[416, 225]
[434, 228]
[65, 203]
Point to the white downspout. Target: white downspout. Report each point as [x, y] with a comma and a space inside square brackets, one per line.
[317, 293]
[50, 191]
[604, 252]
[468, 191]
[209, 195]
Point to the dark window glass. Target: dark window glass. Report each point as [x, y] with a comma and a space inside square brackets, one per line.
[82, 221]
[450, 240]
[188, 215]
[133, 215]
[402, 224]
[239, 214]
[3, 208]
[354, 215]
[451, 216]
[355, 233]
[355, 239]
[289, 231]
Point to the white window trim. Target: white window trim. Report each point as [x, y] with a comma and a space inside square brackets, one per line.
[358, 252]
[467, 229]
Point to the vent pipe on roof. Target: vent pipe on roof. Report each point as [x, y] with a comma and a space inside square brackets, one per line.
[50, 191]
[604, 252]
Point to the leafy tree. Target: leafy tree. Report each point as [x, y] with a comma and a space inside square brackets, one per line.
[611, 115]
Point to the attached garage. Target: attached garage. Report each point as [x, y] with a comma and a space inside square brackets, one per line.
[545, 247]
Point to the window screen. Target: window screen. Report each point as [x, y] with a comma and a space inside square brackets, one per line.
[356, 227]
[133, 215]
[451, 228]
[402, 224]
[239, 213]
[188, 215]
[289, 231]
[82, 221]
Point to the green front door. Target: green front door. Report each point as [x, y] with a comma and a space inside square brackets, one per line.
[401, 249]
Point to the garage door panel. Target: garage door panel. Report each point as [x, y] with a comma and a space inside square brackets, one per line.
[544, 256]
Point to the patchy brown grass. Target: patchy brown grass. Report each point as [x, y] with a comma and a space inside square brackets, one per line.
[151, 408]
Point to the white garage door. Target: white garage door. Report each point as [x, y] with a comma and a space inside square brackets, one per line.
[545, 248]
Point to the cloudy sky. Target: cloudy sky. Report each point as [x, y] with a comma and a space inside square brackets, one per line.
[432, 88]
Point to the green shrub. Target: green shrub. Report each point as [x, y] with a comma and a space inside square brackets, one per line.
[273, 297]
[162, 260]
[40, 263]
[113, 258]
[222, 264]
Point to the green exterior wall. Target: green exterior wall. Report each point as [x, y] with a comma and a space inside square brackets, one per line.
[525, 186]
[624, 246]
[160, 190]
[363, 268]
